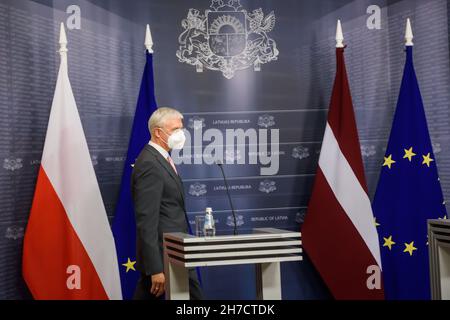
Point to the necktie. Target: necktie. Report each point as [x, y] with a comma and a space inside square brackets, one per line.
[172, 164]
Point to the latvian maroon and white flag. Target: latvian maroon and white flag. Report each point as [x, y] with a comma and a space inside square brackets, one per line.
[69, 250]
[339, 233]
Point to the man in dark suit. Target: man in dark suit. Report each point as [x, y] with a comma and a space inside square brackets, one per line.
[159, 206]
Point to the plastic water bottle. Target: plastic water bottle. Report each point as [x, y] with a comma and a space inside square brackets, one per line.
[209, 228]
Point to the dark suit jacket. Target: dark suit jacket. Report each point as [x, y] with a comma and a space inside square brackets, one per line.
[159, 207]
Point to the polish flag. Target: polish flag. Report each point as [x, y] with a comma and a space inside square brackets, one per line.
[69, 250]
[339, 233]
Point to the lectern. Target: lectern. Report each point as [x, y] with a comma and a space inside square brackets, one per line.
[264, 247]
[439, 255]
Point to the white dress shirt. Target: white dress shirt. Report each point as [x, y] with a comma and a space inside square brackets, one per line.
[165, 154]
[160, 149]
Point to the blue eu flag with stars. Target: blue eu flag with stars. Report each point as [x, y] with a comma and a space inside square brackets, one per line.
[408, 194]
[124, 225]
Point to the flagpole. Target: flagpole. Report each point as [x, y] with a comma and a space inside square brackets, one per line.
[339, 35]
[63, 43]
[408, 34]
[148, 40]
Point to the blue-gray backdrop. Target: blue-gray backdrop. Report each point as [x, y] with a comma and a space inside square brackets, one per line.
[106, 59]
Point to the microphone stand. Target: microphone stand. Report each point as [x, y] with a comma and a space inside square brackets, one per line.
[229, 197]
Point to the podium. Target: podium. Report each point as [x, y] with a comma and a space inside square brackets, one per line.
[264, 247]
[439, 255]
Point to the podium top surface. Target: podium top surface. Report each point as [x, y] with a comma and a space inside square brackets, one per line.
[257, 234]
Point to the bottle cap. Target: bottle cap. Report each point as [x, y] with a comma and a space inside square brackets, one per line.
[208, 209]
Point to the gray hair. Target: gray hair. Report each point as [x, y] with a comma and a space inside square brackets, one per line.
[160, 116]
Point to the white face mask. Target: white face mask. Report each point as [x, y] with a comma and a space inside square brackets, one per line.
[176, 140]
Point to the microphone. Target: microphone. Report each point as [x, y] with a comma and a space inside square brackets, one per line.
[219, 163]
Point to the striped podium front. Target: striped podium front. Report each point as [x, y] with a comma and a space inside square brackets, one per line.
[439, 258]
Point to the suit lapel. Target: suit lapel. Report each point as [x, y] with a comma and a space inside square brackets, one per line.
[168, 168]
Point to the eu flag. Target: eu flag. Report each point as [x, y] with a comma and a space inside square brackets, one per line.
[124, 225]
[408, 194]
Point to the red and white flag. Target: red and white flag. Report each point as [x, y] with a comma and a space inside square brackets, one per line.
[69, 250]
[339, 233]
